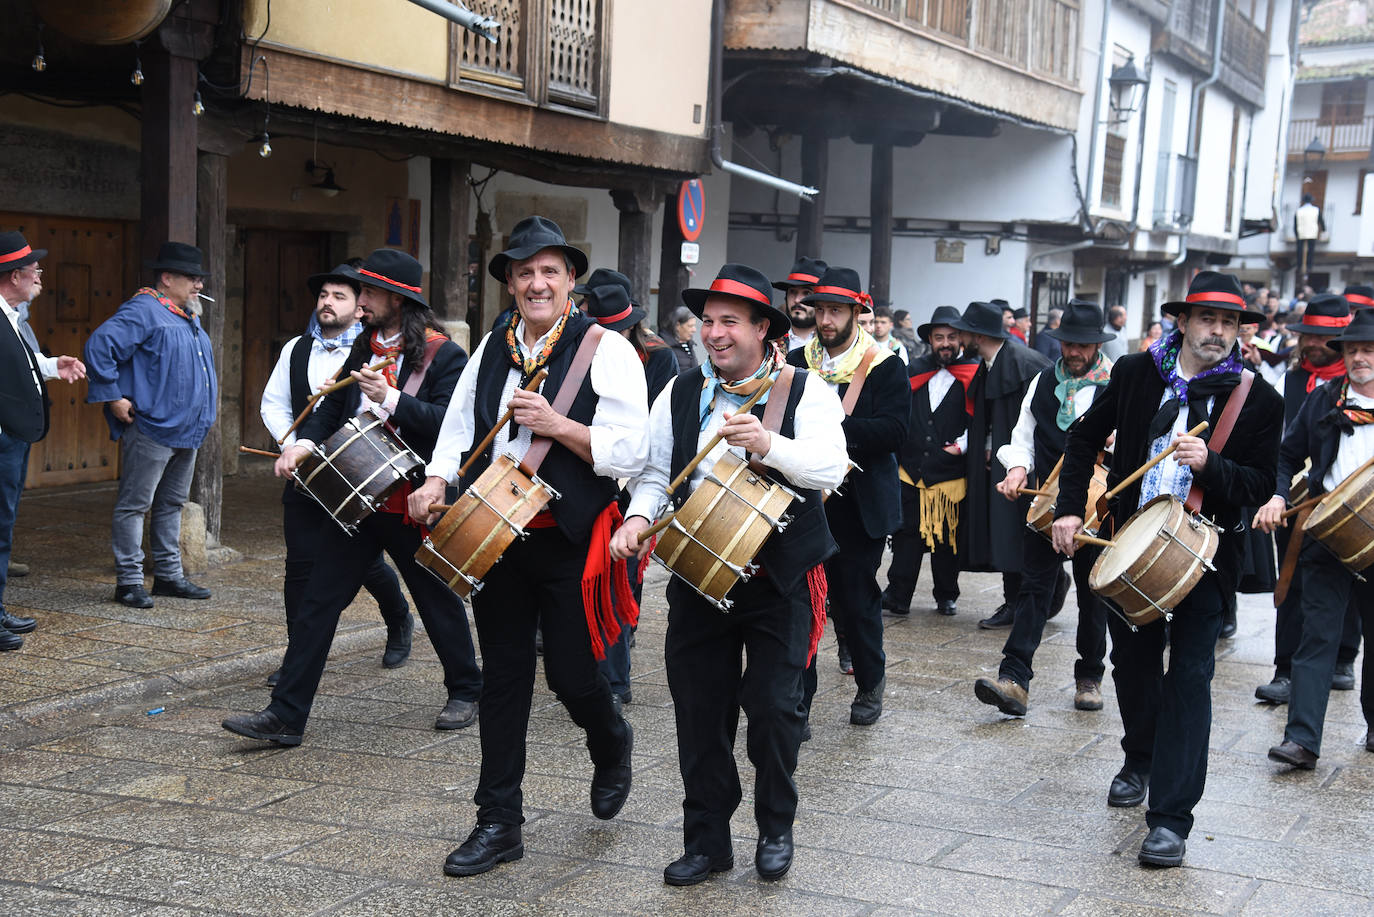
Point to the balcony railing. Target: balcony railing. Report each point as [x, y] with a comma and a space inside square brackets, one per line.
[550, 51]
[1351, 137]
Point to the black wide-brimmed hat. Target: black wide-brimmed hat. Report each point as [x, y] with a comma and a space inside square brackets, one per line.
[982, 318]
[179, 258]
[393, 271]
[1020, 313]
[343, 273]
[602, 276]
[1081, 323]
[1359, 295]
[1360, 329]
[838, 285]
[1215, 290]
[16, 253]
[530, 237]
[1326, 313]
[943, 315]
[805, 273]
[742, 282]
[610, 305]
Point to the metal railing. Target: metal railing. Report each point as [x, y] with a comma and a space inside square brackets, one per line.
[1347, 137]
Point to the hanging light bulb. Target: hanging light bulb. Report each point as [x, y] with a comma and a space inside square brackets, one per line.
[266, 149]
[198, 108]
[40, 62]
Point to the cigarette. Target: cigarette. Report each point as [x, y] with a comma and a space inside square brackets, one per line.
[204, 297]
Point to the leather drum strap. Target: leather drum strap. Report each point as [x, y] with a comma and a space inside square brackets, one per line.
[567, 391]
[856, 383]
[1225, 425]
[415, 379]
[1290, 556]
[776, 407]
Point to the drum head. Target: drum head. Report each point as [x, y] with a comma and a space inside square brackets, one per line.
[1135, 537]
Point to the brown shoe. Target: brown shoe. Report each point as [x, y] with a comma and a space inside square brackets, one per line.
[1004, 694]
[1087, 694]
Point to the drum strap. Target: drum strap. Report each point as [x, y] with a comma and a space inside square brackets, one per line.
[1225, 424]
[856, 384]
[415, 379]
[567, 391]
[776, 407]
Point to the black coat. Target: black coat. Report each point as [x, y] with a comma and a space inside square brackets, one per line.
[1313, 435]
[1242, 474]
[991, 526]
[928, 432]
[660, 365]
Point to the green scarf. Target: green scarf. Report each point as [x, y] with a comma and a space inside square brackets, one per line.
[1100, 373]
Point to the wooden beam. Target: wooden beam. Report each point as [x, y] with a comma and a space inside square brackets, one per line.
[168, 207]
[815, 165]
[450, 216]
[880, 215]
[637, 212]
[207, 486]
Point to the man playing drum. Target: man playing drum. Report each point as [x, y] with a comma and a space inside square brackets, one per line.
[1152, 400]
[400, 325]
[776, 615]
[560, 578]
[1335, 429]
[1057, 397]
[871, 381]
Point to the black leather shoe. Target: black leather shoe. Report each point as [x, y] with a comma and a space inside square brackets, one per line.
[274, 677]
[1293, 754]
[264, 726]
[891, 607]
[695, 868]
[947, 607]
[846, 661]
[398, 642]
[1162, 847]
[135, 596]
[1369, 740]
[1228, 623]
[773, 856]
[17, 625]
[1342, 679]
[1061, 592]
[806, 732]
[611, 784]
[1276, 692]
[457, 714]
[1127, 789]
[1002, 617]
[179, 588]
[487, 846]
[9, 640]
[867, 705]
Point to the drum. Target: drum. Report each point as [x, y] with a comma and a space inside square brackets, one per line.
[475, 532]
[1040, 516]
[712, 540]
[1157, 557]
[357, 469]
[1346, 525]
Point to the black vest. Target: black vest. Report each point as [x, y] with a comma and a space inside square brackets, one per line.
[806, 542]
[299, 375]
[584, 493]
[923, 454]
[1049, 439]
[1295, 393]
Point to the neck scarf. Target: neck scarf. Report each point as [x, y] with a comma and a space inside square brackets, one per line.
[171, 306]
[1099, 374]
[528, 366]
[394, 350]
[736, 393]
[1315, 374]
[849, 363]
[1345, 417]
[344, 340]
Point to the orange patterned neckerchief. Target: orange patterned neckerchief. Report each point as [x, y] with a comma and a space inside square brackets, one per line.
[171, 306]
[394, 350]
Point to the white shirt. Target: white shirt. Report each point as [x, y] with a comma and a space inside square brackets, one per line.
[936, 389]
[618, 429]
[276, 410]
[815, 458]
[1020, 451]
[828, 363]
[1354, 450]
[46, 365]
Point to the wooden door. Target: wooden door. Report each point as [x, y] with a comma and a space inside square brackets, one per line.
[276, 307]
[88, 271]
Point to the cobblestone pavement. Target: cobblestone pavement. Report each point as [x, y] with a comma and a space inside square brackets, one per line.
[944, 806]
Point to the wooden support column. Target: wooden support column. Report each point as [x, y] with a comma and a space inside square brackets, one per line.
[450, 215]
[211, 202]
[637, 209]
[673, 276]
[168, 210]
[880, 217]
[815, 165]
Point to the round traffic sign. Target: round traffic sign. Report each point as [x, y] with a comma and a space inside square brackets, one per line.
[691, 209]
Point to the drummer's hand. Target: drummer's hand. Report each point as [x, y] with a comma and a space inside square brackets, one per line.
[422, 497]
[290, 457]
[1191, 451]
[1062, 533]
[747, 431]
[1270, 516]
[372, 383]
[1014, 481]
[533, 411]
[1111, 441]
[625, 542]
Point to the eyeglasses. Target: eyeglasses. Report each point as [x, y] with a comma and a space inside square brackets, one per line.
[36, 271]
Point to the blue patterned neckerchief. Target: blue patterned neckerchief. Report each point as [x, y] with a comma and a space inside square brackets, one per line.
[1067, 386]
[344, 340]
[736, 393]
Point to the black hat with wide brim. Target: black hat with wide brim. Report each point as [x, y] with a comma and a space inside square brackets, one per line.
[1327, 314]
[1359, 295]
[839, 285]
[15, 251]
[1360, 330]
[982, 318]
[393, 271]
[744, 283]
[178, 258]
[530, 237]
[943, 315]
[805, 273]
[1215, 290]
[602, 276]
[1081, 323]
[343, 273]
[610, 305]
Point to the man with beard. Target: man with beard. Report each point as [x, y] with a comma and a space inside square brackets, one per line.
[1057, 397]
[307, 363]
[411, 394]
[931, 468]
[800, 283]
[1335, 431]
[1152, 400]
[1326, 316]
[993, 525]
[871, 382]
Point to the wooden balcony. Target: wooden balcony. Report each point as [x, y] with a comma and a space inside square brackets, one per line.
[1349, 140]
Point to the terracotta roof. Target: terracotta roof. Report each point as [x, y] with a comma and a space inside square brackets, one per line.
[1336, 72]
[1336, 22]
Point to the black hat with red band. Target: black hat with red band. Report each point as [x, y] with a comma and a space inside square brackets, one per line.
[1359, 331]
[742, 282]
[1360, 296]
[839, 285]
[610, 305]
[805, 273]
[1215, 290]
[1326, 314]
[393, 271]
[16, 253]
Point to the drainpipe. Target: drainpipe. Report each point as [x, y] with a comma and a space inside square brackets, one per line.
[1197, 96]
[1085, 219]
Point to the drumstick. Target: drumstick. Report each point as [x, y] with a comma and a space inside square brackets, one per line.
[1088, 539]
[252, 451]
[654, 529]
[440, 507]
[1054, 475]
[505, 419]
[700, 457]
[1032, 492]
[1136, 475]
[1313, 501]
[310, 405]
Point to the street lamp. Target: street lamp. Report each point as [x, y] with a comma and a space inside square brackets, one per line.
[1314, 155]
[1126, 84]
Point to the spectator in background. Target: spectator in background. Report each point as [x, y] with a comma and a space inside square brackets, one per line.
[882, 333]
[904, 331]
[1155, 333]
[1115, 349]
[1047, 344]
[681, 335]
[1009, 324]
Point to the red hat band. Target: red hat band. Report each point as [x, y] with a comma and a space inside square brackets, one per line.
[1217, 296]
[735, 288]
[385, 279]
[15, 256]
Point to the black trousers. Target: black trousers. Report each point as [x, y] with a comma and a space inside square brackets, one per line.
[1288, 618]
[302, 521]
[908, 548]
[710, 682]
[1039, 573]
[338, 574]
[1328, 589]
[1167, 715]
[856, 602]
[536, 582]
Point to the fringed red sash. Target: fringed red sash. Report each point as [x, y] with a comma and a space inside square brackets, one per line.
[606, 597]
[817, 587]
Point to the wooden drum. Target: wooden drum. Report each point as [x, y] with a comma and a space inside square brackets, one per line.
[471, 537]
[712, 540]
[357, 469]
[1346, 525]
[1157, 557]
[1040, 516]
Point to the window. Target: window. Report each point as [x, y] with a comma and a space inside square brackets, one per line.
[1343, 103]
[1165, 159]
[1359, 191]
[1113, 164]
[1231, 171]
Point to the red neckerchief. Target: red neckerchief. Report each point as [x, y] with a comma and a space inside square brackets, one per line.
[963, 370]
[1333, 370]
[394, 350]
[171, 306]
